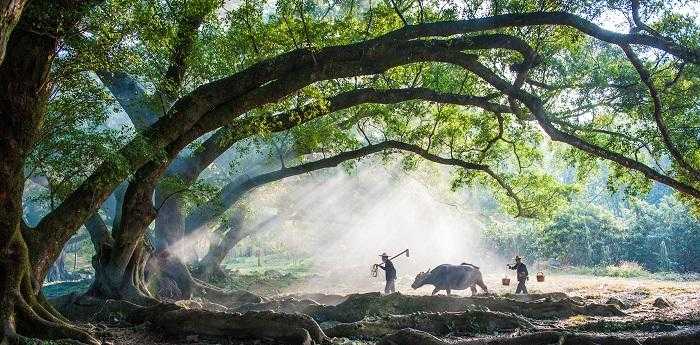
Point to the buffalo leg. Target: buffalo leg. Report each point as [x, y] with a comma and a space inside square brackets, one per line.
[473, 288]
[481, 284]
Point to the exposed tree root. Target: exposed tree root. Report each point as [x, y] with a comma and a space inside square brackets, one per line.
[230, 299]
[321, 298]
[358, 306]
[85, 308]
[25, 314]
[415, 337]
[606, 326]
[35, 321]
[440, 324]
[554, 296]
[291, 328]
[199, 303]
[283, 305]
[684, 337]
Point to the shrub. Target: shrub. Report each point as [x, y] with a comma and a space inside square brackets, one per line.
[626, 269]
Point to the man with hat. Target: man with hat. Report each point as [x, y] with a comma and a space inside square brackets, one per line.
[521, 272]
[390, 271]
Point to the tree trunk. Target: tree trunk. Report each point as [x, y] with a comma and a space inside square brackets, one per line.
[170, 252]
[24, 90]
[120, 259]
[210, 266]
[10, 12]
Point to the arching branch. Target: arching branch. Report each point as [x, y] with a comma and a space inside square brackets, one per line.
[449, 28]
[534, 104]
[235, 191]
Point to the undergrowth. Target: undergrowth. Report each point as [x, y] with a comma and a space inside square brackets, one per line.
[627, 269]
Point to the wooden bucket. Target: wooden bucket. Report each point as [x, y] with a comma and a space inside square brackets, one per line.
[540, 277]
[505, 281]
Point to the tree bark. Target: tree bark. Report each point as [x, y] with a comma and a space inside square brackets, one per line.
[24, 90]
[439, 324]
[10, 13]
[121, 258]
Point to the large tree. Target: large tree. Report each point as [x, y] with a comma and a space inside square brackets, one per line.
[533, 60]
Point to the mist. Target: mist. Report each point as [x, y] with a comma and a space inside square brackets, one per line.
[343, 220]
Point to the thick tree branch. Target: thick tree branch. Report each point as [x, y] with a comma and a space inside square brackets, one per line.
[449, 28]
[10, 13]
[233, 192]
[534, 104]
[132, 97]
[639, 22]
[187, 29]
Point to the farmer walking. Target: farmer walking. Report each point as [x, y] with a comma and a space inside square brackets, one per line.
[521, 272]
[390, 271]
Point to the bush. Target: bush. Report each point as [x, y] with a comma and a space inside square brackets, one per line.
[584, 235]
[626, 269]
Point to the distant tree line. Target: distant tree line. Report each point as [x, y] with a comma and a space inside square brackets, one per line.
[663, 236]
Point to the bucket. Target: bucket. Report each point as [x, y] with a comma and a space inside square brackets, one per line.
[540, 277]
[505, 281]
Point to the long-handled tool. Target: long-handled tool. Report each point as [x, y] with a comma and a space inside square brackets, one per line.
[375, 267]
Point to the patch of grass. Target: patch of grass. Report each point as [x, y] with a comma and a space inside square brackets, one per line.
[57, 289]
[577, 320]
[276, 262]
[275, 273]
[626, 269]
[675, 276]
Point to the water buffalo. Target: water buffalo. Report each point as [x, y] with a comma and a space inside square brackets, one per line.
[451, 277]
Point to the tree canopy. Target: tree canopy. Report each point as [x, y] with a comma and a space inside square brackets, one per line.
[147, 94]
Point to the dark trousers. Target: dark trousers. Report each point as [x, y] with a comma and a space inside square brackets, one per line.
[389, 288]
[521, 286]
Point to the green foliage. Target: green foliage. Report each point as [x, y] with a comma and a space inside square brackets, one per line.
[590, 90]
[646, 237]
[65, 288]
[513, 238]
[664, 236]
[583, 235]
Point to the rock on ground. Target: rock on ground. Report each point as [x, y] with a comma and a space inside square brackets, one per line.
[662, 302]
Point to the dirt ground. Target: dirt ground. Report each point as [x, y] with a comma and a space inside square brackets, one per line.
[639, 295]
